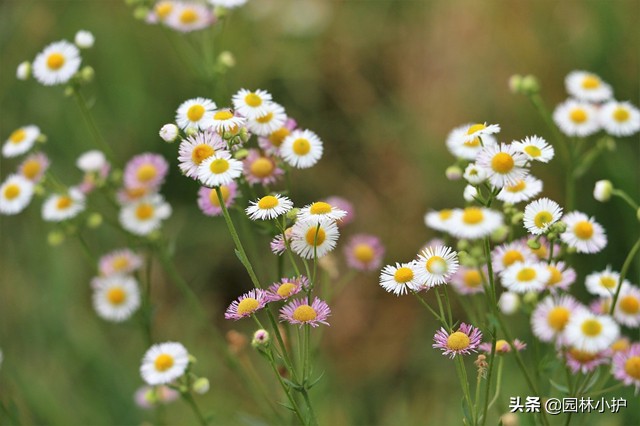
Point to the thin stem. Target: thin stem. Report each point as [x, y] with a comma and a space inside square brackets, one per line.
[429, 308]
[605, 390]
[93, 129]
[464, 381]
[446, 299]
[312, 414]
[623, 273]
[487, 388]
[285, 387]
[194, 407]
[498, 382]
[620, 193]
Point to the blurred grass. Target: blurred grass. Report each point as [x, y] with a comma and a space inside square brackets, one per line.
[382, 82]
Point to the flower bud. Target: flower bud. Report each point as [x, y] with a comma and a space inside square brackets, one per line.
[533, 244]
[84, 39]
[603, 190]
[515, 83]
[87, 74]
[55, 238]
[94, 220]
[241, 154]
[500, 234]
[169, 132]
[190, 131]
[42, 138]
[227, 59]
[530, 297]
[292, 214]
[201, 386]
[530, 85]
[453, 173]
[469, 194]
[517, 218]
[260, 338]
[509, 303]
[140, 13]
[245, 135]
[23, 72]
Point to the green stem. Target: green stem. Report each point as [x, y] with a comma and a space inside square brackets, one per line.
[605, 390]
[429, 308]
[464, 381]
[194, 407]
[620, 193]
[498, 382]
[623, 273]
[487, 388]
[285, 387]
[93, 129]
[312, 414]
[446, 299]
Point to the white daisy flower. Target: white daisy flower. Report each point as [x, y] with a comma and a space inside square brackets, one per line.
[143, 216]
[619, 118]
[163, 363]
[161, 11]
[627, 310]
[591, 333]
[15, 194]
[20, 141]
[399, 279]
[309, 239]
[251, 104]
[540, 214]
[91, 161]
[439, 220]
[604, 283]
[195, 114]
[536, 148]
[225, 120]
[523, 277]
[561, 277]
[583, 233]
[59, 207]
[586, 86]
[187, 17]
[576, 118]
[301, 149]
[480, 131]
[551, 316]
[474, 222]
[461, 147]
[116, 298]
[57, 63]
[321, 211]
[504, 164]
[84, 39]
[523, 190]
[197, 148]
[474, 174]
[507, 254]
[219, 169]
[273, 119]
[269, 207]
[435, 265]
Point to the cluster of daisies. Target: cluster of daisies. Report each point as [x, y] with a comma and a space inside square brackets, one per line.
[186, 16]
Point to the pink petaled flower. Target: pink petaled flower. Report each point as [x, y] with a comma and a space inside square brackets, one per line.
[129, 195]
[146, 170]
[278, 245]
[364, 252]
[119, 262]
[343, 204]
[469, 280]
[246, 305]
[600, 306]
[299, 312]
[271, 144]
[461, 342]
[585, 361]
[626, 366]
[209, 202]
[34, 166]
[562, 276]
[502, 346]
[260, 169]
[286, 288]
[197, 148]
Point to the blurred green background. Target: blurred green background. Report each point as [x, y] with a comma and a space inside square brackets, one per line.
[382, 83]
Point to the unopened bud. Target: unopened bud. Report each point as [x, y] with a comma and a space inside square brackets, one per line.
[500, 234]
[260, 338]
[87, 73]
[453, 173]
[292, 214]
[241, 154]
[515, 83]
[201, 386]
[530, 297]
[55, 238]
[517, 218]
[530, 85]
[42, 138]
[603, 190]
[169, 132]
[245, 135]
[140, 13]
[533, 244]
[227, 59]
[23, 72]
[509, 303]
[94, 220]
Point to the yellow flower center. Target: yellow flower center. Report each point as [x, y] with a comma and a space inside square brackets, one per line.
[458, 341]
[225, 114]
[262, 167]
[146, 172]
[18, 136]
[188, 16]
[445, 214]
[526, 274]
[621, 115]
[620, 345]
[201, 153]
[630, 304]
[55, 61]
[253, 100]
[314, 238]
[64, 202]
[144, 211]
[608, 282]
[472, 279]
[219, 166]
[502, 163]
[581, 356]
[591, 327]
[304, 313]
[556, 276]
[590, 82]
[512, 256]
[11, 191]
[476, 128]
[213, 195]
[163, 9]
[472, 215]
[120, 263]
[31, 169]
[135, 193]
[472, 143]
[558, 317]
[247, 305]
[403, 275]
[267, 202]
[320, 207]
[278, 136]
[163, 362]
[364, 253]
[578, 115]
[533, 150]
[517, 187]
[542, 218]
[116, 296]
[301, 146]
[583, 230]
[285, 290]
[265, 118]
[195, 112]
[632, 367]
[436, 265]
[502, 345]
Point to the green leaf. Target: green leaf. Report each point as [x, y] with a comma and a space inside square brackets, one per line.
[592, 381]
[293, 385]
[559, 387]
[287, 406]
[312, 384]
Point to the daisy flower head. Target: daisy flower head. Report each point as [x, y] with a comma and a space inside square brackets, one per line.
[474, 222]
[271, 144]
[604, 283]
[551, 316]
[60, 207]
[145, 215]
[523, 190]
[20, 141]
[623, 344]
[164, 362]
[461, 342]
[272, 120]
[321, 211]
[585, 361]
[209, 202]
[196, 148]
[435, 265]
[161, 11]
[189, 16]
[461, 147]
[219, 169]
[278, 245]
[251, 104]
[576, 118]
[583, 233]
[401, 278]
[195, 114]
[619, 118]
[286, 288]
[146, 170]
[16, 193]
[311, 239]
[119, 262]
[342, 204]
[246, 305]
[535, 148]
[627, 310]
[364, 252]
[540, 214]
[300, 312]
[480, 130]
[261, 169]
[474, 175]
[562, 276]
[507, 254]
[34, 167]
[626, 366]
[128, 195]
[468, 280]
[502, 346]
[226, 120]
[116, 298]
[505, 165]
[301, 149]
[523, 277]
[439, 220]
[269, 207]
[589, 332]
[586, 86]
[57, 63]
